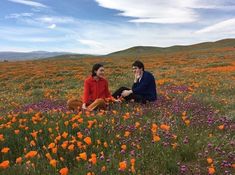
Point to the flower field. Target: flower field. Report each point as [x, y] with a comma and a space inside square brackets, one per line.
[189, 130]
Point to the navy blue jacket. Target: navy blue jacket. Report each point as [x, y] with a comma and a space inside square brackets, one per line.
[146, 87]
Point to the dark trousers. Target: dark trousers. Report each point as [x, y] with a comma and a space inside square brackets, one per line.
[132, 96]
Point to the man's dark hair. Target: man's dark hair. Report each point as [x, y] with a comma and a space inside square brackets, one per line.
[95, 68]
[138, 64]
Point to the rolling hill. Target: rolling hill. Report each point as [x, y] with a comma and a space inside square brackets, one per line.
[11, 56]
[130, 52]
[145, 50]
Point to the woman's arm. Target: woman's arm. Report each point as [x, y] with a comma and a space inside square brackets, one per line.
[86, 92]
[107, 92]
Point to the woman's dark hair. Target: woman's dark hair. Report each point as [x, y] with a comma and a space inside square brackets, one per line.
[138, 64]
[95, 68]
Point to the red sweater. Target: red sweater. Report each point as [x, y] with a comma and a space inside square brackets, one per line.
[94, 89]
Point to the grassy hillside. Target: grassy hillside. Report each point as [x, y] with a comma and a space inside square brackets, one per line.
[143, 50]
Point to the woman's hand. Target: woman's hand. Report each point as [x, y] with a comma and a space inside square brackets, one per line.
[117, 100]
[84, 106]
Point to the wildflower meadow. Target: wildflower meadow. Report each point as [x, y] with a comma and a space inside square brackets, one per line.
[189, 130]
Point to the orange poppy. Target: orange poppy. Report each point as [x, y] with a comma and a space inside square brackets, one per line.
[209, 160]
[48, 156]
[19, 160]
[17, 131]
[31, 154]
[64, 171]
[5, 150]
[187, 122]
[154, 128]
[132, 161]
[165, 127]
[65, 134]
[127, 133]
[1, 137]
[79, 135]
[87, 140]
[123, 147]
[51, 145]
[90, 123]
[53, 162]
[71, 147]
[34, 134]
[211, 170]
[122, 165]
[93, 159]
[221, 127]
[137, 124]
[83, 156]
[156, 138]
[5, 164]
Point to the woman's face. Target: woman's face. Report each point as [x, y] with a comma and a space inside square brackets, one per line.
[100, 72]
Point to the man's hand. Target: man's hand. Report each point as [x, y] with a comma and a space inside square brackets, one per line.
[137, 76]
[126, 93]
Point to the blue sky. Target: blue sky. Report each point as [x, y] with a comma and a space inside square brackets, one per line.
[104, 26]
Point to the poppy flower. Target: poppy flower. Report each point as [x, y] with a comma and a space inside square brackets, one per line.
[64, 171]
[31, 154]
[5, 164]
[122, 165]
[87, 140]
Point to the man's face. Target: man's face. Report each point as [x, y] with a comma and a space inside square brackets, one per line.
[136, 70]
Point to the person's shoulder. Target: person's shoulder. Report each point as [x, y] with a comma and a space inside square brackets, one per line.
[148, 73]
[104, 79]
[88, 79]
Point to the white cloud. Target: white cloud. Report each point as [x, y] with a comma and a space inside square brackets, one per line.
[18, 15]
[159, 11]
[224, 27]
[29, 3]
[154, 11]
[31, 35]
[90, 43]
[41, 21]
[55, 19]
[52, 26]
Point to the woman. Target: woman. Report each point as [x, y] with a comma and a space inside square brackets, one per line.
[95, 91]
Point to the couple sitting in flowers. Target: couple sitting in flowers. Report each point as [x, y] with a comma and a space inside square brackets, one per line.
[96, 91]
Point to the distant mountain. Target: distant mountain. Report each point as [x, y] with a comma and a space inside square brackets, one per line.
[131, 52]
[71, 56]
[10, 56]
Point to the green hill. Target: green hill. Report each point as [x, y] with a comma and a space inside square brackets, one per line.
[148, 50]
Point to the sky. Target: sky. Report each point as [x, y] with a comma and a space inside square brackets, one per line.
[105, 26]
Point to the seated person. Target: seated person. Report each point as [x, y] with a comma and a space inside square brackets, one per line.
[95, 91]
[143, 89]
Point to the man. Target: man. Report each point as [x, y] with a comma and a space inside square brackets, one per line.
[144, 87]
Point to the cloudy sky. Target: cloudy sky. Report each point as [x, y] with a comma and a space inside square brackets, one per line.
[104, 26]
